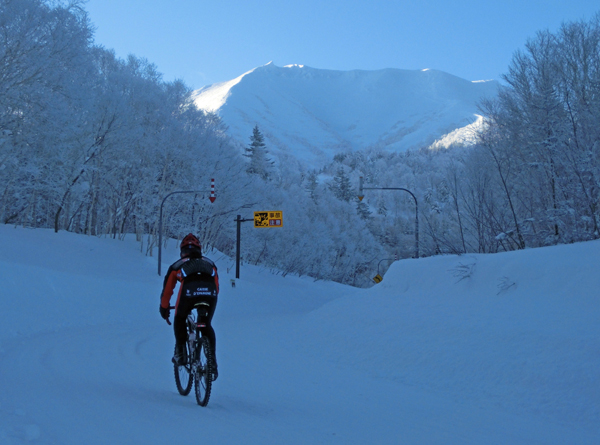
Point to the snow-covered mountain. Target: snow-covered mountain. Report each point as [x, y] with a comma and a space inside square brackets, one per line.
[312, 114]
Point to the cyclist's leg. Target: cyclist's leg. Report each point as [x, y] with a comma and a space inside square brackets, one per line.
[180, 329]
[209, 331]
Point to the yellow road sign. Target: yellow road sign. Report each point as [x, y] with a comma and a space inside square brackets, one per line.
[273, 218]
[377, 278]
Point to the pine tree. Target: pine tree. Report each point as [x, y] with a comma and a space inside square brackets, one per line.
[381, 207]
[363, 210]
[257, 152]
[312, 184]
[341, 187]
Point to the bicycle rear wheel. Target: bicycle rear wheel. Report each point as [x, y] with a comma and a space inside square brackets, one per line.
[184, 378]
[203, 372]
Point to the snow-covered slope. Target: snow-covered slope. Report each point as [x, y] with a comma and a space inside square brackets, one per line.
[312, 114]
[473, 349]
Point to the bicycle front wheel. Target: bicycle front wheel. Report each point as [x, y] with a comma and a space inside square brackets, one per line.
[184, 378]
[203, 372]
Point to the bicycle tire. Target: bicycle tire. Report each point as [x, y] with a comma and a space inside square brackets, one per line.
[203, 372]
[184, 378]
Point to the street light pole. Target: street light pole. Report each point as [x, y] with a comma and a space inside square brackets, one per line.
[211, 198]
[379, 264]
[361, 196]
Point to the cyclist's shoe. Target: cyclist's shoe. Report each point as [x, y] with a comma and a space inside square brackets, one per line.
[215, 371]
[180, 355]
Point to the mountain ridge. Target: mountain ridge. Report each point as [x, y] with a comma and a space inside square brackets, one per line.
[311, 114]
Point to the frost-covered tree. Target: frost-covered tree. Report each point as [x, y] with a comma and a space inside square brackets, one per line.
[341, 187]
[543, 137]
[257, 153]
[45, 66]
[312, 183]
[93, 144]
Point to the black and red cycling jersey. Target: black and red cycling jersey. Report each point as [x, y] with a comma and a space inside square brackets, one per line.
[194, 269]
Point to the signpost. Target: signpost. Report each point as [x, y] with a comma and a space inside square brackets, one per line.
[239, 222]
[264, 219]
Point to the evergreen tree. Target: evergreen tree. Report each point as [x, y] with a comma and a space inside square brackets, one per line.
[341, 187]
[312, 184]
[363, 210]
[381, 207]
[257, 152]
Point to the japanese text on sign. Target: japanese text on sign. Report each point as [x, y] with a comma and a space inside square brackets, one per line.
[272, 218]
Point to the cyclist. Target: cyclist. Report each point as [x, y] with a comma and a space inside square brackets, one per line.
[199, 283]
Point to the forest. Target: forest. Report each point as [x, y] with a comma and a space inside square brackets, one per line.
[94, 144]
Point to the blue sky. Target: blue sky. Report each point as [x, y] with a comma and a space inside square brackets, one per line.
[207, 42]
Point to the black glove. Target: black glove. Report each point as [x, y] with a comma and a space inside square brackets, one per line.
[165, 312]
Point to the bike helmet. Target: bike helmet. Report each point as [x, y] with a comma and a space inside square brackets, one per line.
[190, 247]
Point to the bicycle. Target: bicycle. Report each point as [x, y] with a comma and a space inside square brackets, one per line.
[197, 368]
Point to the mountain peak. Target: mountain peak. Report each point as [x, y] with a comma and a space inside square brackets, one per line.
[312, 114]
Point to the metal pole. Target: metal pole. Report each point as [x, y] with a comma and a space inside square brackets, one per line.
[360, 196]
[237, 246]
[160, 236]
[379, 264]
[160, 219]
[416, 228]
[239, 222]
[416, 215]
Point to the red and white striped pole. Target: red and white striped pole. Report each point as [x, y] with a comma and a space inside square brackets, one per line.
[212, 190]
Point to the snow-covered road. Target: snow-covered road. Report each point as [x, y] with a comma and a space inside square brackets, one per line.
[420, 358]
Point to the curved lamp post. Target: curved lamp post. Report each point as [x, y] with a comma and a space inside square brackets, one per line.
[212, 199]
[361, 195]
[379, 264]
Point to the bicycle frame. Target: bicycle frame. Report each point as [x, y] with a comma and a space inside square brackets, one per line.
[195, 323]
[198, 365]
